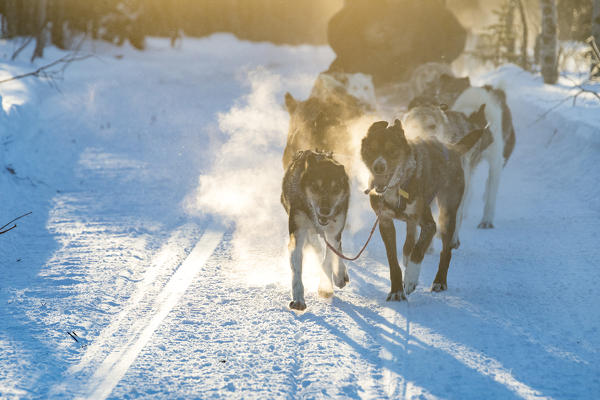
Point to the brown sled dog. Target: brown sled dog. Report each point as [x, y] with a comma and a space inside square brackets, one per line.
[407, 175]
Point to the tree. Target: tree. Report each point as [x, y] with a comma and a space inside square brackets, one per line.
[596, 21]
[548, 45]
[41, 21]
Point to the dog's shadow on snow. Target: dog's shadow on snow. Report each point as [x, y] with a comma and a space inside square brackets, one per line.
[423, 342]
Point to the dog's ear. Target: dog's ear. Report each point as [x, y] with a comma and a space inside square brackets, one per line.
[397, 129]
[478, 117]
[379, 125]
[290, 103]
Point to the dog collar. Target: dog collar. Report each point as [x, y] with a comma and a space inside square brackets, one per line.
[403, 193]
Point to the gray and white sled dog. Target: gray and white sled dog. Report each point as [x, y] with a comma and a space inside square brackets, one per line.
[323, 120]
[445, 89]
[396, 96]
[315, 195]
[406, 175]
[427, 119]
[427, 74]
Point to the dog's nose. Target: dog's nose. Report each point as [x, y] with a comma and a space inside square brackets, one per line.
[324, 210]
[379, 168]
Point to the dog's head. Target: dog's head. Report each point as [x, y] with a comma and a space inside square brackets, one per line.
[326, 187]
[426, 119]
[319, 123]
[447, 88]
[385, 151]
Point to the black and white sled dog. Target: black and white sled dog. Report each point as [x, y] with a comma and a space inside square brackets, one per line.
[497, 154]
[430, 120]
[407, 174]
[462, 97]
[315, 194]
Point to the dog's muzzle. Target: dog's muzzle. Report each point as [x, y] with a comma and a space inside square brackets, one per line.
[380, 182]
[323, 221]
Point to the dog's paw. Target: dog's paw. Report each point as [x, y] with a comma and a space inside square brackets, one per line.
[411, 277]
[439, 287]
[325, 292]
[341, 280]
[297, 305]
[485, 225]
[409, 287]
[455, 244]
[396, 296]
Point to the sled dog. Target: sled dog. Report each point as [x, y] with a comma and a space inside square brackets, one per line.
[322, 121]
[406, 175]
[497, 154]
[315, 195]
[446, 89]
[426, 74]
[431, 120]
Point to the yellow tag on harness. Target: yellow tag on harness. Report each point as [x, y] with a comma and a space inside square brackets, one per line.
[403, 193]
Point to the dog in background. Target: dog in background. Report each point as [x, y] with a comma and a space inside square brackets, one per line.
[396, 96]
[497, 154]
[462, 97]
[425, 119]
[445, 90]
[315, 195]
[407, 174]
[323, 120]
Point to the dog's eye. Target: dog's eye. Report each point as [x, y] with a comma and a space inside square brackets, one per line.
[335, 188]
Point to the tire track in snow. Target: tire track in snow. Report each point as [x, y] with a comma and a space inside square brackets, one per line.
[166, 260]
[116, 364]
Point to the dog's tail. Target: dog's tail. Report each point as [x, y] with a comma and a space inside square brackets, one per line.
[467, 143]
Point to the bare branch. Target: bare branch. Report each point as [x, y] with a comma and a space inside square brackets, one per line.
[2, 230]
[46, 70]
[21, 48]
[574, 97]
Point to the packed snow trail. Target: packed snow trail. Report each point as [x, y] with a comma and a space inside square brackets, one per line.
[110, 168]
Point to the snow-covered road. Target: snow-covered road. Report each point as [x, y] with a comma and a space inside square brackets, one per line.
[167, 300]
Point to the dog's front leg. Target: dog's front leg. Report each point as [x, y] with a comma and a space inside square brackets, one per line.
[413, 266]
[336, 265]
[388, 234]
[409, 243]
[296, 245]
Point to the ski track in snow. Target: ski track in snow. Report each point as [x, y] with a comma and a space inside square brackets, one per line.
[164, 309]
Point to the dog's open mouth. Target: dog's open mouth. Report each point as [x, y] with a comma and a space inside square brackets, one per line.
[380, 183]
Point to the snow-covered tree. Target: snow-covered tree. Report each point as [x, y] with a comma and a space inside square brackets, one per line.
[548, 44]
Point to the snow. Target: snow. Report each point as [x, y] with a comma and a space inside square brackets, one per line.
[158, 238]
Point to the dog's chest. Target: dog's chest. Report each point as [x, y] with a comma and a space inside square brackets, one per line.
[401, 207]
